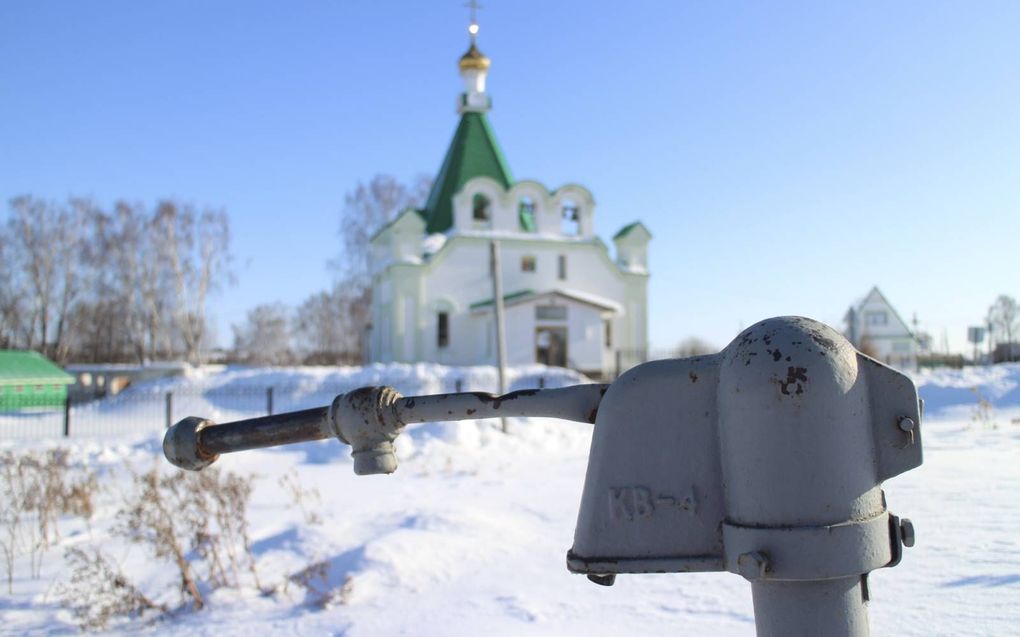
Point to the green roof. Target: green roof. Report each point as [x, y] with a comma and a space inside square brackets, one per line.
[624, 231]
[474, 152]
[30, 367]
[506, 297]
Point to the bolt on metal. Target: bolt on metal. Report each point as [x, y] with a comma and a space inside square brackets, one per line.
[753, 565]
[907, 532]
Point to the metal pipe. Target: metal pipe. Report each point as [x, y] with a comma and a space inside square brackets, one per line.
[368, 419]
[268, 431]
[578, 403]
[814, 607]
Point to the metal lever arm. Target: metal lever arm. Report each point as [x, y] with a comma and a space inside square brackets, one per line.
[369, 419]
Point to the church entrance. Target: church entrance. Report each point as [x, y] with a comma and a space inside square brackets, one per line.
[551, 346]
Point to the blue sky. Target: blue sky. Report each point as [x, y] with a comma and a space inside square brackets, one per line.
[786, 155]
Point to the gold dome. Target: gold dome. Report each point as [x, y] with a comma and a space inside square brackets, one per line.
[474, 60]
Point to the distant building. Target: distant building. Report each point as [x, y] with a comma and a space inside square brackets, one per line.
[98, 380]
[30, 380]
[1006, 353]
[568, 302]
[875, 328]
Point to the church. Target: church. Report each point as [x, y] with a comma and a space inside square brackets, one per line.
[568, 302]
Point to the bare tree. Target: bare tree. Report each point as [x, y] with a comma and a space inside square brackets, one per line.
[109, 286]
[1004, 322]
[195, 251]
[324, 329]
[12, 312]
[47, 248]
[140, 284]
[366, 210]
[264, 339]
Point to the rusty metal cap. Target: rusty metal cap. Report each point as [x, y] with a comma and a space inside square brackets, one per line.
[181, 446]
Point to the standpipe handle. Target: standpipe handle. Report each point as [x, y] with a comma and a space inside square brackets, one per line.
[195, 443]
[369, 419]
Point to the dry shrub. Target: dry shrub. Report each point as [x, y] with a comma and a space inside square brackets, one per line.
[314, 578]
[306, 500]
[984, 412]
[36, 488]
[98, 591]
[196, 520]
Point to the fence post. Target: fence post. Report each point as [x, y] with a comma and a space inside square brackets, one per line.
[458, 385]
[541, 382]
[169, 409]
[67, 416]
[269, 401]
[619, 361]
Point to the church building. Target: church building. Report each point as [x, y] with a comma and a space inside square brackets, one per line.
[568, 301]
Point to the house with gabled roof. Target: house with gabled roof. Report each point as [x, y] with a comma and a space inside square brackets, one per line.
[568, 301]
[875, 327]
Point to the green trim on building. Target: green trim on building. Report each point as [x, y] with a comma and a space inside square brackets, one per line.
[526, 218]
[627, 229]
[29, 379]
[506, 297]
[474, 152]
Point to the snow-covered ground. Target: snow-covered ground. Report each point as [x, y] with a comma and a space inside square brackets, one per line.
[471, 532]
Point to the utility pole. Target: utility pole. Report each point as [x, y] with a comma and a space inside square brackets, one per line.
[497, 304]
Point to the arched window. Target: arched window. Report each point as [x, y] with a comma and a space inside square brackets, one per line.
[571, 225]
[480, 207]
[526, 214]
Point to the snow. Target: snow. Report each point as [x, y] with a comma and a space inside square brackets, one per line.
[471, 532]
[433, 243]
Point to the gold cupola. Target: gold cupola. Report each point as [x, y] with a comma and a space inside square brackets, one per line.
[474, 59]
[474, 67]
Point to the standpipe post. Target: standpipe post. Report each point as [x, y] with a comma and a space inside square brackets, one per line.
[765, 460]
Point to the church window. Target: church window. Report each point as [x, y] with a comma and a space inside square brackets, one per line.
[528, 264]
[480, 207]
[442, 329]
[571, 218]
[561, 267]
[526, 214]
[551, 312]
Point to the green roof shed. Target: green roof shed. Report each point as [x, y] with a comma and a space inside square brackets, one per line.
[29, 379]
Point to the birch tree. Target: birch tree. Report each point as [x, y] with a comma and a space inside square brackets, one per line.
[46, 245]
[195, 250]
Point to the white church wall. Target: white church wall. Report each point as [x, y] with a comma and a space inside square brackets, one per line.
[463, 205]
[461, 271]
[584, 334]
